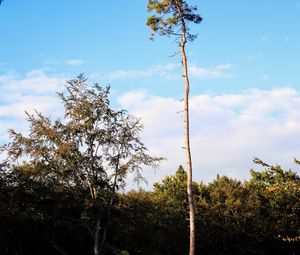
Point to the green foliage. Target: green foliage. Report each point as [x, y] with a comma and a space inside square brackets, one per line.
[173, 186]
[171, 17]
[36, 217]
[279, 191]
[141, 216]
[273, 175]
[228, 217]
[232, 217]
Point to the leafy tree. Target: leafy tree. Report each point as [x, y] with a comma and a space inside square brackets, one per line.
[279, 191]
[171, 18]
[139, 217]
[228, 215]
[35, 217]
[259, 216]
[93, 148]
[173, 189]
[161, 214]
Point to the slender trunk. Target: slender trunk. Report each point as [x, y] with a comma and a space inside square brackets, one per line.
[112, 199]
[188, 153]
[96, 238]
[59, 249]
[188, 156]
[55, 246]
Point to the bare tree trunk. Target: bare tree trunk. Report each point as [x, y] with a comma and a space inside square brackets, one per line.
[54, 246]
[188, 152]
[58, 249]
[96, 238]
[112, 199]
[188, 156]
[104, 234]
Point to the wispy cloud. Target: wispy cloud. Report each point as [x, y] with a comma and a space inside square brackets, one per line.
[75, 62]
[164, 71]
[211, 73]
[173, 71]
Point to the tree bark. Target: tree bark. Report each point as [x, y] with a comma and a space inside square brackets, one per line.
[96, 237]
[112, 199]
[188, 156]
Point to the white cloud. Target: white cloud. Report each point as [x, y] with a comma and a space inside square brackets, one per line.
[122, 74]
[16, 109]
[34, 91]
[173, 71]
[215, 72]
[34, 82]
[75, 62]
[164, 71]
[227, 131]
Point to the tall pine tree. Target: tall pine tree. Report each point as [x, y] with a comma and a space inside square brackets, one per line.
[171, 18]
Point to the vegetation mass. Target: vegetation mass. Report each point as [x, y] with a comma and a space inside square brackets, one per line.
[62, 192]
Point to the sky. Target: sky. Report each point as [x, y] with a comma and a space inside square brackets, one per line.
[244, 69]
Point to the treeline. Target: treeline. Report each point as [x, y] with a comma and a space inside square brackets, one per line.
[259, 216]
[61, 192]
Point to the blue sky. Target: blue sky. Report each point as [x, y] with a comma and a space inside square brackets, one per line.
[244, 64]
[258, 38]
